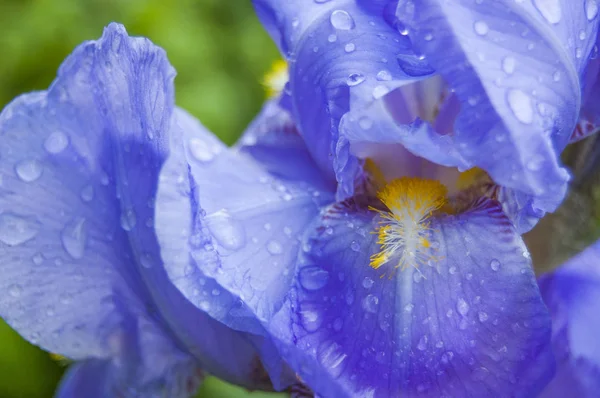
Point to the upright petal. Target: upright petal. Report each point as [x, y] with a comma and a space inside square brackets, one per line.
[516, 69]
[343, 57]
[572, 293]
[468, 322]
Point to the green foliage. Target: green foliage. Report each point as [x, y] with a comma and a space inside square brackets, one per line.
[220, 52]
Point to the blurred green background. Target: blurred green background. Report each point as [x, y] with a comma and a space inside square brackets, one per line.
[220, 52]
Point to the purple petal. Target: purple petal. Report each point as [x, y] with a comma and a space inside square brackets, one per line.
[90, 379]
[470, 322]
[516, 69]
[572, 293]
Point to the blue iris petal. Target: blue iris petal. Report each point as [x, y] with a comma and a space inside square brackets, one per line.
[343, 57]
[572, 293]
[91, 378]
[80, 263]
[239, 223]
[516, 68]
[469, 322]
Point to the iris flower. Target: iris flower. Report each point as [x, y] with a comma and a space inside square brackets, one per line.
[81, 269]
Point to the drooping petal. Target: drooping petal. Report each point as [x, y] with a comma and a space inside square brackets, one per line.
[89, 378]
[80, 261]
[516, 69]
[229, 230]
[469, 322]
[344, 57]
[572, 294]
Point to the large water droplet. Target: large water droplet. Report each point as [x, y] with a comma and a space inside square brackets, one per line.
[355, 79]
[128, 219]
[422, 345]
[508, 65]
[550, 10]
[591, 9]
[313, 278]
[495, 265]
[311, 320]
[56, 142]
[74, 237]
[87, 193]
[462, 307]
[15, 230]
[200, 150]
[520, 104]
[274, 247]
[370, 303]
[340, 19]
[481, 28]
[228, 232]
[29, 170]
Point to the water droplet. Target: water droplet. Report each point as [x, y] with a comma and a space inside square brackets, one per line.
[228, 232]
[332, 38]
[311, 320]
[481, 28]
[15, 230]
[29, 170]
[591, 9]
[65, 298]
[15, 290]
[550, 10]
[556, 76]
[370, 303]
[578, 52]
[367, 282]
[38, 258]
[337, 324]
[384, 75]
[87, 193]
[482, 316]
[128, 219]
[355, 79]
[50, 310]
[520, 104]
[365, 123]
[74, 237]
[56, 142]
[508, 65]
[582, 35]
[422, 345]
[379, 91]
[355, 246]
[495, 265]
[341, 20]
[462, 307]
[204, 305]
[200, 150]
[349, 47]
[274, 247]
[409, 307]
[313, 278]
[428, 36]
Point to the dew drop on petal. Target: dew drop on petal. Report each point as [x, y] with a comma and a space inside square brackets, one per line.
[56, 142]
[495, 265]
[422, 345]
[367, 282]
[355, 246]
[87, 193]
[355, 79]
[482, 316]
[128, 219]
[508, 65]
[481, 28]
[74, 237]
[550, 10]
[332, 38]
[591, 9]
[349, 47]
[200, 150]
[15, 230]
[384, 75]
[227, 231]
[520, 105]
[274, 247]
[370, 303]
[379, 91]
[341, 20]
[29, 170]
[462, 307]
